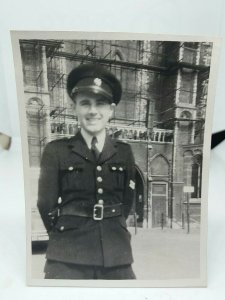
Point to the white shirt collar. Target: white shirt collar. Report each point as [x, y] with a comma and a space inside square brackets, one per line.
[100, 139]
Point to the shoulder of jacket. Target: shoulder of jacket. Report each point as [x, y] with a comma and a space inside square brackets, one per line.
[58, 143]
[122, 143]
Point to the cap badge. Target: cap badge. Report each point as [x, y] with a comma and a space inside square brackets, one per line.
[74, 90]
[98, 81]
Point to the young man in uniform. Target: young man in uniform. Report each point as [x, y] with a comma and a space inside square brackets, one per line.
[86, 187]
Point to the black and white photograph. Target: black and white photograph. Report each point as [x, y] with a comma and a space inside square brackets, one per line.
[116, 136]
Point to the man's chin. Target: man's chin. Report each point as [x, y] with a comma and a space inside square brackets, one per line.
[93, 130]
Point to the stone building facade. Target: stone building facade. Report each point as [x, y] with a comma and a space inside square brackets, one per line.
[161, 114]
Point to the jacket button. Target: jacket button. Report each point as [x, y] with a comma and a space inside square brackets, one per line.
[70, 168]
[62, 228]
[99, 179]
[100, 191]
[114, 168]
[121, 169]
[99, 168]
[59, 200]
[100, 201]
[113, 210]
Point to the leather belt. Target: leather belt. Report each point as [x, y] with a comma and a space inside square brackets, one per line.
[97, 211]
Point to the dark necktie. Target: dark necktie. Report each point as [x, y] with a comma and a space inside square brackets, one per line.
[94, 149]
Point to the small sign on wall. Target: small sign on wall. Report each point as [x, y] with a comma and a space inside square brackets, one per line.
[188, 189]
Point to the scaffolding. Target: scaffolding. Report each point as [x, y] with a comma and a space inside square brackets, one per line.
[143, 67]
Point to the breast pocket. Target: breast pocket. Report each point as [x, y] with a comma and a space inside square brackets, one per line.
[118, 175]
[72, 175]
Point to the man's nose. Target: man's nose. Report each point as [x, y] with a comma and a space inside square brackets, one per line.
[93, 109]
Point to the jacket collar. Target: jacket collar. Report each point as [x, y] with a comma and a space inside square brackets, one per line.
[79, 146]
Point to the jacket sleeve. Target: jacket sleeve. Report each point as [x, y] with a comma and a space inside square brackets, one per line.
[48, 185]
[129, 191]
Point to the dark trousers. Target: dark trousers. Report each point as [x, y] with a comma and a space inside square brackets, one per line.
[60, 270]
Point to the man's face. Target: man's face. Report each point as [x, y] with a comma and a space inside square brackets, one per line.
[93, 112]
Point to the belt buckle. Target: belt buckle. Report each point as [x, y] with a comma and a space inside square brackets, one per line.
[96, 209]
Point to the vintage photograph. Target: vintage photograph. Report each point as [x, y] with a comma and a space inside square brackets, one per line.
[114, 141]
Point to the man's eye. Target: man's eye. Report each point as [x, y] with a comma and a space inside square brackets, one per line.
[101, 103]
[84, 103]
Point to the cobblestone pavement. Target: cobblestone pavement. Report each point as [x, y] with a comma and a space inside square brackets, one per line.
[158, 254]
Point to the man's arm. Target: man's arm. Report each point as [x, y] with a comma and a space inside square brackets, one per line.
[129, 191]
[48, 186]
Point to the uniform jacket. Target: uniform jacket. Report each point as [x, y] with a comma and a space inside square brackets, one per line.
[69, 173]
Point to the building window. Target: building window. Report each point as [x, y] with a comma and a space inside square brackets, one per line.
[196, 176]
[187, 86]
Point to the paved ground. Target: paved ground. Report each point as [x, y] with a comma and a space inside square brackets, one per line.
[158, 254]
[167, 254]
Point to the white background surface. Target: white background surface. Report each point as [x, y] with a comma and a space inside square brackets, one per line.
[183, 17]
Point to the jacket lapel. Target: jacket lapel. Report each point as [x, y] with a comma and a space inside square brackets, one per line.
[79, 146]
[109, 150]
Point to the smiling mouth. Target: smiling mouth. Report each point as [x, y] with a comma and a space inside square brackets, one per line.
[93, 119]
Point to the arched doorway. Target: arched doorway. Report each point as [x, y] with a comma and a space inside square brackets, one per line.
[159, 203]
[139, 196]
[159, 190]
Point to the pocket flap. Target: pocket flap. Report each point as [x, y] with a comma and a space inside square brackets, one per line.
[72, 166]
[117, 167]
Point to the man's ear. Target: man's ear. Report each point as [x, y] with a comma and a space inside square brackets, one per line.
[111, 111]
[73, 106]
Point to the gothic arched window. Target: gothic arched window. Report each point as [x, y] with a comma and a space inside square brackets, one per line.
[196, 176]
